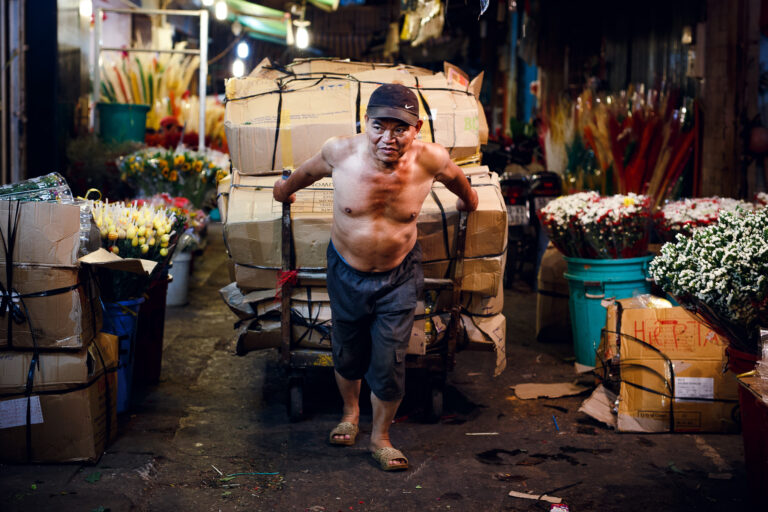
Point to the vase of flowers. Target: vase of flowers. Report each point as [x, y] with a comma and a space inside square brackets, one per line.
[605, 243]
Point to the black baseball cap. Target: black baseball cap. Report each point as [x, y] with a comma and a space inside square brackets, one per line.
[394, 101]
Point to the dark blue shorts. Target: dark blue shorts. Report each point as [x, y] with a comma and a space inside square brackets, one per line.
[372, 317]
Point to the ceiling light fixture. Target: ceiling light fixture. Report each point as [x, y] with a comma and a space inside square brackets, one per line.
[238, 68]
[221, 10]
[243, 50]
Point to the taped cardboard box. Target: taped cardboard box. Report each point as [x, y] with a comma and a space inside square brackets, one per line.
[480, 275]
[60, 369]
[553, 315]
[46, 233]
[253, 229]
[670, 368]
[310, 112]
[71, 425]
[58, 307]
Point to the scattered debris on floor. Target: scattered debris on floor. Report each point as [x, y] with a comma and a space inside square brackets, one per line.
[535, 390]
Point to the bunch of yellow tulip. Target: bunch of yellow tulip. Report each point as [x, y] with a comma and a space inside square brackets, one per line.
[136, 230]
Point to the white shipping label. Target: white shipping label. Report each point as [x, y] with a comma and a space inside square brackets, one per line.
[694, 387]
[13, 413]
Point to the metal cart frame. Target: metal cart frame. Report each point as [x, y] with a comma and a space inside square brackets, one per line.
[437, 365]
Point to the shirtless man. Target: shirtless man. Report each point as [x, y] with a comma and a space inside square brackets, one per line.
[380, 178]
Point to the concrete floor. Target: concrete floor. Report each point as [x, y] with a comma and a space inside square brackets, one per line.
[215, 409]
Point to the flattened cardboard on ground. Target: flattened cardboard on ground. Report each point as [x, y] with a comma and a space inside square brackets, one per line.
[489, 330]
[46, 233]
[600, 405]
[553, 316]
[690, 363]
[70, 426]
[57, 370]
[535, 390]
[69, 319]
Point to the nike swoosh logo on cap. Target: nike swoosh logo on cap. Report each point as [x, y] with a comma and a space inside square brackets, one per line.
[408, 106]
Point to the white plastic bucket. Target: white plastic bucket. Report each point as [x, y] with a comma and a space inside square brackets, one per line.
[178, 287]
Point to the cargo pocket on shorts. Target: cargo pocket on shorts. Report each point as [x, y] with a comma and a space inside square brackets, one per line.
[400, 355]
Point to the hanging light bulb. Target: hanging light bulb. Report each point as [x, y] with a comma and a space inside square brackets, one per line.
[302, 34]
[243, 50]
[207, 3]
[220, 10]
[238, 68]
[86, 8]
[288, 29]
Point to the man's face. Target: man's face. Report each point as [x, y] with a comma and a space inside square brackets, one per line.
[389, 138]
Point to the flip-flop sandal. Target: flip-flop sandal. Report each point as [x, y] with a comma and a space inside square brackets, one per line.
[342, 429]
[384, 455]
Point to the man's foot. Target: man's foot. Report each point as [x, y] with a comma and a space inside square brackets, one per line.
[344, 434]
[390, 458]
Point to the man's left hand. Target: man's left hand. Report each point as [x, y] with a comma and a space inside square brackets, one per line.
[462, 206]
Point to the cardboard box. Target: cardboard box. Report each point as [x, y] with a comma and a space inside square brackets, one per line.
[311, 113]
[57, 370]
[670, 368]
[253, 230]
[71, 425]
[553, 314]
[483, 304]
[346, 66]
[67, 318]
[46, 233]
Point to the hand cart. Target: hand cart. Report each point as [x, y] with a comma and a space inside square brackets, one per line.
[436, 362]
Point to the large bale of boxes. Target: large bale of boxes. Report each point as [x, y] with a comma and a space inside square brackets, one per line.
[664, 370]
[57, 371]
[277, 119]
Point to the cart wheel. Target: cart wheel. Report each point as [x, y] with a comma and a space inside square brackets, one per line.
[434, 406]
[296, 399]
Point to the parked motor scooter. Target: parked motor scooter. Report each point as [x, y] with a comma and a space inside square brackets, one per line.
[544, 187]
[515, 189]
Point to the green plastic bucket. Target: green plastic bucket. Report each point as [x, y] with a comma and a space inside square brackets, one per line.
[591, 281]
[119, 122]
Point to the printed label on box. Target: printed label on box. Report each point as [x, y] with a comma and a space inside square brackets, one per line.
[694, 387]
[13, 413]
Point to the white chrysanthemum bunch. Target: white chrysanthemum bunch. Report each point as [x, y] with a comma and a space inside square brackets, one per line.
[721, 271]
[762, 199]
[685, 215]
[587, 225]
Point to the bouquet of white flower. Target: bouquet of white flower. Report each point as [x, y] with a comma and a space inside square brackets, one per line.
[720, 273]
[684, 215]
[586, 225]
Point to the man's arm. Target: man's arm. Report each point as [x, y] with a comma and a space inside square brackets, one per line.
[309, 172]
[451, 175]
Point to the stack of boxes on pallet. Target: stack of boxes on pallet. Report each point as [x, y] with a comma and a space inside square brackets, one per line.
[279, 119]
[57, 371]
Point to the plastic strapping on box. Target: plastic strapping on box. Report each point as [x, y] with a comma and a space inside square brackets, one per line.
[445, 228]
[425, 105]
[277, 124]
[357, 109]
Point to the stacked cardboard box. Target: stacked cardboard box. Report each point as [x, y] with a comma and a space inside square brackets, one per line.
[50, 331]
[278, 120]
[668, 368]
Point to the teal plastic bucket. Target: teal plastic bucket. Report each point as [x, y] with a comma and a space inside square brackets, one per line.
[119, 122]
[591, 281]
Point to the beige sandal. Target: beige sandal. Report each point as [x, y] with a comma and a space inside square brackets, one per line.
[384, 455]
[342, 429]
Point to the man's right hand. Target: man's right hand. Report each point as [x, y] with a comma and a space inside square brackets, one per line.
[279, 194]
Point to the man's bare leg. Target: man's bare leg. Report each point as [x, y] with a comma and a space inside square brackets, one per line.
[350, 393]
[383, 414]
